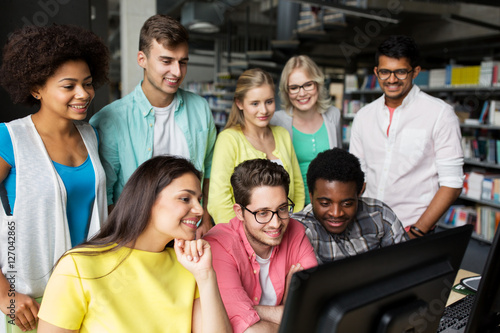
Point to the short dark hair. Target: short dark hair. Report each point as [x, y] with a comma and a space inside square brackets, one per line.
[166, 30]
[399, 46]
[255, 173]
[33, 54]
[335, 164]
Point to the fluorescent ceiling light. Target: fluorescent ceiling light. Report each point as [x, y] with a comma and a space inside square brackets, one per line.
[204, 27]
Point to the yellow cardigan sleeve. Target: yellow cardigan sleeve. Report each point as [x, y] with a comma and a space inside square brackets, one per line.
[286, 153]
[232, 148]
[220, 193]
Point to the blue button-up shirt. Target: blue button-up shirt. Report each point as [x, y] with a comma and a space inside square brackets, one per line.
[126, 131]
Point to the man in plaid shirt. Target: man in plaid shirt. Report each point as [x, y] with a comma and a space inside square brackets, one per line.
[339, 222]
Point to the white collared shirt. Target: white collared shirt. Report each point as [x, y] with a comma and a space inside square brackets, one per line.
[422, 152]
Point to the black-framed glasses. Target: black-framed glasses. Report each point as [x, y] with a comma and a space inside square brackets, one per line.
[263, 216]
[308, 86]
[400, 74]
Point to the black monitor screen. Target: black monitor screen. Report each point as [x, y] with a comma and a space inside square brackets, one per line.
[485, 313]
[400, 288]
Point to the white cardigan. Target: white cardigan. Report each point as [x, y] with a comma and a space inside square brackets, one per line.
[39, 231]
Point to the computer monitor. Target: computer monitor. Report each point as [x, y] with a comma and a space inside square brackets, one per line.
[400, 288]
[485, 312]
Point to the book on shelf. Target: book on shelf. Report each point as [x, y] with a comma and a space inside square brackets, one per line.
[487, 69]
[351, 107]
[467, 146]
[351, 82]
[473, 185]
[437, 77]
[481, 149]
[485, 219]
[464, 75]
[458, 215]
[494, 111]
[422, 80]
[481, 185]
[346, 133]
[485, 116]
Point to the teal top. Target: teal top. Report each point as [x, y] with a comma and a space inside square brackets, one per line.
[126, 135]
[307, 146]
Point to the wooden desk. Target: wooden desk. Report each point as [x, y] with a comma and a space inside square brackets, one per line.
[454, 296]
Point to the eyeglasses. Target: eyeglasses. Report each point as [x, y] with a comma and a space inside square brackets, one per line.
[401, 74]
[265, 215]
[308, 86]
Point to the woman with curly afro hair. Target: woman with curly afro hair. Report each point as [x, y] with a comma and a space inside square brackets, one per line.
[49, 162]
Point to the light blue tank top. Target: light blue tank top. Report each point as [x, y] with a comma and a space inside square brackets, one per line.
[79, 183]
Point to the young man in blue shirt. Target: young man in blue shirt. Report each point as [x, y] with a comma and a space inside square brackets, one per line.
[158, 117]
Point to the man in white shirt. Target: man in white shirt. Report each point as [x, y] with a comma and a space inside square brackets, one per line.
[408, 142]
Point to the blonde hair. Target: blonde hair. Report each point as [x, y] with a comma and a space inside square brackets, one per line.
[249, 79]
[309, 66]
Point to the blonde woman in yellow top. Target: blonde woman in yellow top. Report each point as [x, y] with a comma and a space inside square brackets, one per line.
[248, 135]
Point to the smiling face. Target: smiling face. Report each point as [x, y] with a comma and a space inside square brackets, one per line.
[175, 212]
[335, 204]
[68, 92]
[164, 70]
[395, 90]
[258, 106]
[303, 100]
[262, 237]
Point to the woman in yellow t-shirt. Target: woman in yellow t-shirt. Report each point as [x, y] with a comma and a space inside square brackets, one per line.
[129, 278]
[247, 136]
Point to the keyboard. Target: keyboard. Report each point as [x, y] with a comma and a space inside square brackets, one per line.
[456, 315]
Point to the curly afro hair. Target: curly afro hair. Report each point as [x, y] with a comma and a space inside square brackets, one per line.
[33, 54]
[335, 164]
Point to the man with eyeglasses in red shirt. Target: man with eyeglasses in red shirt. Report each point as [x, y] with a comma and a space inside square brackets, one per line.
[408, 142]
[257, 252]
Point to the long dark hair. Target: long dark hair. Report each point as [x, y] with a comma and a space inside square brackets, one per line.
[132, 211]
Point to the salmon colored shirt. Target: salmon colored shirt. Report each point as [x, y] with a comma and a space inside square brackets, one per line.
[238, 271]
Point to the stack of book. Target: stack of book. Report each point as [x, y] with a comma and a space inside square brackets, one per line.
[351, 82]
[488, 75]
[351, 107]
[484, 219]
[481, 185]
[481, 149]
[464, 75]
[437, 77]
[487, 221]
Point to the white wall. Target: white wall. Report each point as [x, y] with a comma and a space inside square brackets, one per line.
[133, 14]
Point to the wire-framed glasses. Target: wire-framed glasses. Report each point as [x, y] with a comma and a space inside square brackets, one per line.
[263, 216]
[308, 86]
[401, 74]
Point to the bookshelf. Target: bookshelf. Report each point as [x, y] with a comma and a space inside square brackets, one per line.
[219, 95]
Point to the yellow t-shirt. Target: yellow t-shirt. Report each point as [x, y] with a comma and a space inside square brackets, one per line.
[148, 292]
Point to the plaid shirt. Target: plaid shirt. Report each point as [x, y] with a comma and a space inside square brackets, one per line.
[375, 226]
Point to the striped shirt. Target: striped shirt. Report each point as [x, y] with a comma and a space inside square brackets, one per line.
[375, 226]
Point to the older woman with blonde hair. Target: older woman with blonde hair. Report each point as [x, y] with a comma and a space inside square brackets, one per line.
[248, 135]
[309, 117]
